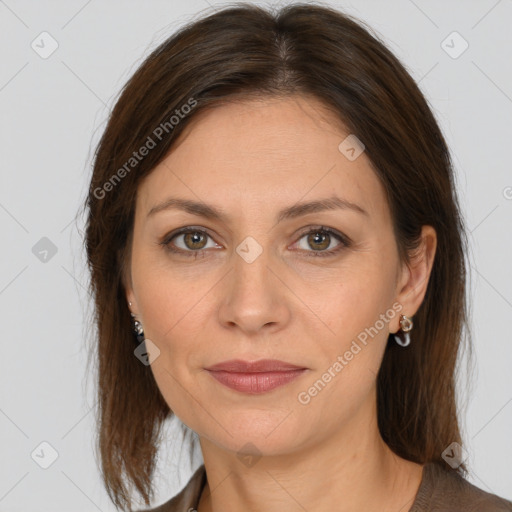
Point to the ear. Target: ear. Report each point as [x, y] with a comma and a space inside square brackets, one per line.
[126, 280]
[130, 300]
[414, 276]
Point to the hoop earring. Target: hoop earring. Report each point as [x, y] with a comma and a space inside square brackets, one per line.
[406, 324]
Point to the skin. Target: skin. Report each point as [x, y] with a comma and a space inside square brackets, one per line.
[251, 159]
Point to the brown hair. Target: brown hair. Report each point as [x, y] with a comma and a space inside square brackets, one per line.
[245, 50]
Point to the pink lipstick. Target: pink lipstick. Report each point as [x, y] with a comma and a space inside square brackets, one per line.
[255, 377]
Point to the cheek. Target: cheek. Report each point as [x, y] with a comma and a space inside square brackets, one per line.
[360, 311]
[345, 376]
[351, 300]
[169, 297]
[357, 309]
[172, 312]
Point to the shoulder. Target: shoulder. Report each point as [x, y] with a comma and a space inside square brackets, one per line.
[188, 498]
[445, 490]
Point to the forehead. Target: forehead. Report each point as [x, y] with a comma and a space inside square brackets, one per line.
[264, 152]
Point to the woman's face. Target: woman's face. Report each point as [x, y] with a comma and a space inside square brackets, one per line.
[263, 281]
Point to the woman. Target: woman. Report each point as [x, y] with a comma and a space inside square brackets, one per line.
[272, 219]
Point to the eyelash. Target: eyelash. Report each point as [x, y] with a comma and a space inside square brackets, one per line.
[344, 241]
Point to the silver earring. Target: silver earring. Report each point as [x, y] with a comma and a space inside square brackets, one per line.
[137, 327]
[406, 324]
[138, 330]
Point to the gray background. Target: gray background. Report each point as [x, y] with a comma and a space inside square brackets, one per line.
[53, 111]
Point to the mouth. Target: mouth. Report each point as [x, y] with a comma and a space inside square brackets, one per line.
[255, 377]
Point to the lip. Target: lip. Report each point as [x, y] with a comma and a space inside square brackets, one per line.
[255, 377]
[263, 365]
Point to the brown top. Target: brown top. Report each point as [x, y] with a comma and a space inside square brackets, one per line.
[441, 490]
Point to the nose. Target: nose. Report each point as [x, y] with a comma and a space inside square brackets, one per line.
[254, 299]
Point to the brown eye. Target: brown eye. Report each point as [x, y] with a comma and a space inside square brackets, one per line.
[319, 240]
[188, 240]
[194, 240]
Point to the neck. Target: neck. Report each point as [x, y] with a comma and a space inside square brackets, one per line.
[351, 470]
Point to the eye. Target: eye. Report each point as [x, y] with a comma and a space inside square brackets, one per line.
[187, 240]
[190, 241]
[321, 238]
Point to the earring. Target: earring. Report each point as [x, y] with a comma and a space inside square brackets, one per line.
[406, 324]
[138, 329]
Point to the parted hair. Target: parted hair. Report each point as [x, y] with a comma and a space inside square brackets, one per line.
[243, 51]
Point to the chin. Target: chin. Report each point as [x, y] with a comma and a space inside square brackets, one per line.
[255, 436]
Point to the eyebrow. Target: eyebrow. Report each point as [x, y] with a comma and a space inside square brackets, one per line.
[211, 212]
